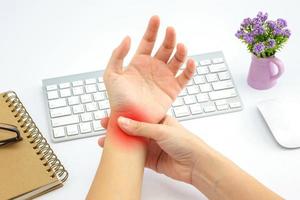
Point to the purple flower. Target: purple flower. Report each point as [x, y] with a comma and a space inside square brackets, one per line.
[271, 24]
[271, 43]
[286, 33]
[256, 21]
[277, 31]
[258, 30]
[248, 38]
[240, 33]
[246, 22]
[262, 17]
[258, 48]
[281, 23]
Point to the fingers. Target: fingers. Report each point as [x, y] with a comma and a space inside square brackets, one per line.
[187, 73]
[167, 47]
[178, 59]
[101, 141]
[116, 60]
[147, 43]
[104, 122]
[136, 128]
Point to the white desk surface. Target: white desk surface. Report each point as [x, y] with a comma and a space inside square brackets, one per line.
[45, 39]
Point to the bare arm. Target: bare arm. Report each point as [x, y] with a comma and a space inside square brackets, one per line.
[144, 91]
[185, 157]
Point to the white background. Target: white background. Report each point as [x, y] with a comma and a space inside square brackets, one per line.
[44, 39]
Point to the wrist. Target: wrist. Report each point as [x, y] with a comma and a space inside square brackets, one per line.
[116, 135]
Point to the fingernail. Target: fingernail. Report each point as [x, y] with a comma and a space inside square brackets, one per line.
[124, 122]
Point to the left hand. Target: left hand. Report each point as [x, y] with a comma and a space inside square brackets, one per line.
[148, 83]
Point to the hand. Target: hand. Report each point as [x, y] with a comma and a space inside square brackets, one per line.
[172, 150]
[148, 83]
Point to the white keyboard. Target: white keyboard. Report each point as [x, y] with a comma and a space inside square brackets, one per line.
[76, 103]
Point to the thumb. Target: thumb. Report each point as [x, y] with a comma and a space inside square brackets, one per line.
[147, 130]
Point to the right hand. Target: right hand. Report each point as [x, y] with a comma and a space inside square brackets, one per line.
[172, 150]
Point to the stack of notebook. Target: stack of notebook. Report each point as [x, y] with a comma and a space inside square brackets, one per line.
[28, 166]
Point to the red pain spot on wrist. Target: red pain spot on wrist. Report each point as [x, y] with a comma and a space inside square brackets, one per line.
[118, 136]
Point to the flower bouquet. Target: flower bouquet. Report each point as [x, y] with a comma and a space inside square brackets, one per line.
[264, 38]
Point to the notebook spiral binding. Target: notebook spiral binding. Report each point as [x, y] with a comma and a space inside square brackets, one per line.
[35, 137]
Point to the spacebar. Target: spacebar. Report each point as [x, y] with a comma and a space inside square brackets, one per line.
[61, 121]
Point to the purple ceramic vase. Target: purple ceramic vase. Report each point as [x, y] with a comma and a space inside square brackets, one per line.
[264, 72]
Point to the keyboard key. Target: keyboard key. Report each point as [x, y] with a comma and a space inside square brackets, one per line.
[205, 62]
[61, 121]
[51, 87]
[85, 127]
[86, 117]
[64, 85]
[202, 70]
[57, 103]
[181, 111]
[65, 93]
[218, 60]
[217, 67]
[100, 79]
[222, 85]
[193, 89]
[58, 112]
[189, 99]
[59, 132]
[103, 104]
[72, 130]
[78, 90]
[178, 102]
[222, 94]
[196, 109]
[90, 88]
[73, 100]
[90, 81]
[191, 82]
[235, 104]
[211, 77]
[77, 83]
[224, 75]
[223, 107]
[199, 79]
[97, 126]
[78, 109]
[98, 96]
[209, 108]
[100, 114]
[183, 93]
[86, 98]
[52, 95]
[203, 97]
[101, 87]
[205, 87]
[91, 106]
[221, 102]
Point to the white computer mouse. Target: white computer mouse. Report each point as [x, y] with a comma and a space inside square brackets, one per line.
[282, 118]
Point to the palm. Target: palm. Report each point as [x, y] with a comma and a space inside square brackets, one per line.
[149, 82]
[145, 77]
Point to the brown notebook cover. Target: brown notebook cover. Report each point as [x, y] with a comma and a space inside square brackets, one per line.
[28, 168]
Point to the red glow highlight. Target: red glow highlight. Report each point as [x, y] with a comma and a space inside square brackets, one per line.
[117, 135]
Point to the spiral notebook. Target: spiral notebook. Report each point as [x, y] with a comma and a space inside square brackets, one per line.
[28, 168]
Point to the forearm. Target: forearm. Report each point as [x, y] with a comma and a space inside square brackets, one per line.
[120, 173]
[219, 178]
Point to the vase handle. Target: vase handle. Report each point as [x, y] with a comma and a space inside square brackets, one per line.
[280, 68]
